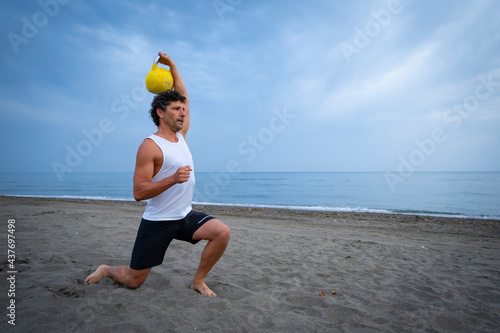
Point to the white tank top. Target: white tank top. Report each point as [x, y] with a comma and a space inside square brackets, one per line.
[176, 202]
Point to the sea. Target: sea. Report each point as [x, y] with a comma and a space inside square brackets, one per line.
[451, 194]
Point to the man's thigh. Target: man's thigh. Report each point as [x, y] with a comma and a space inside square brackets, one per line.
[210, 230]
[151, 243]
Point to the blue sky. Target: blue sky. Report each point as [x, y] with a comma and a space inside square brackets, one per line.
[274, 85]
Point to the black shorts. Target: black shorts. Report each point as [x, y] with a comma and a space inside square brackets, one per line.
[154, 237]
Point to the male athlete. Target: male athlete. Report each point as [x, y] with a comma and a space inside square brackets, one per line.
[164, 176]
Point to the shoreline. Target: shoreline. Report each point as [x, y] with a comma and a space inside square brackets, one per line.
[226, 207]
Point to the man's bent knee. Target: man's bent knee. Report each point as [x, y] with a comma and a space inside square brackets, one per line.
[224, 234]
[134, 284]
[136, 278]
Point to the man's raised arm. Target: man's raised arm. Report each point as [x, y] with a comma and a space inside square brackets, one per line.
[179, 86]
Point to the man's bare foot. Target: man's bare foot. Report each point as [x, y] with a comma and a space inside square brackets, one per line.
[203, 289]
[97, 276]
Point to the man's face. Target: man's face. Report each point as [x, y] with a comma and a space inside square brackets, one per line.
[173, 116]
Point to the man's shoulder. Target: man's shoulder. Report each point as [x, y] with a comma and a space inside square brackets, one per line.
[149, 146]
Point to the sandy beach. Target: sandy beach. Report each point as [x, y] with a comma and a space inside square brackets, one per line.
[390, 273]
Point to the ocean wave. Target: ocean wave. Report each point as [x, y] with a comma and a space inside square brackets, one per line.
[290, 207]
[352, 210]
[294, 207]
[78, 197]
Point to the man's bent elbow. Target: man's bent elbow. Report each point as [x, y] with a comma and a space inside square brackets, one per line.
[138, 197]
[138, 192]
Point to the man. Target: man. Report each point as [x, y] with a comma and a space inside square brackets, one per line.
[164, 176]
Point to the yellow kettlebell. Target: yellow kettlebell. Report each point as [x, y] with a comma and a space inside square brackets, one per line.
[159, 80]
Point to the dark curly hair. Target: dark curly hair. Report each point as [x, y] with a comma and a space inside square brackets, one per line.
[161, 101]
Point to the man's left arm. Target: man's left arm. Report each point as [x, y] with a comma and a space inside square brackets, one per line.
[179, 86]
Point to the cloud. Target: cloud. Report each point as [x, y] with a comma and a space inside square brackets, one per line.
[110, 48]
[385, 88]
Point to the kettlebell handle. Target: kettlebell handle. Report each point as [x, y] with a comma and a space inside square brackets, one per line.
[156, 59]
